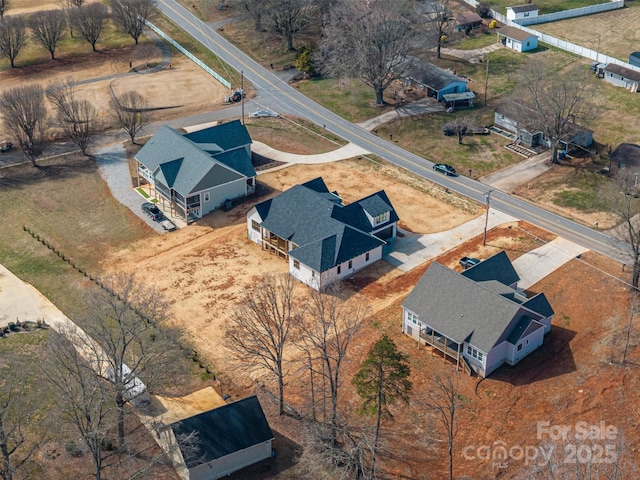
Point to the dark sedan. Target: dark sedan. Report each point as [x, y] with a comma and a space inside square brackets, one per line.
[444, 168]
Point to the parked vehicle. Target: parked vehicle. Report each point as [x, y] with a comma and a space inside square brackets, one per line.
[5, 146]
[444, 168]
[263, 113]
[468, 262]
[152, 210]
[168, 225]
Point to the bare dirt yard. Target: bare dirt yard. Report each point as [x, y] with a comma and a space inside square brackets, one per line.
[205, 268]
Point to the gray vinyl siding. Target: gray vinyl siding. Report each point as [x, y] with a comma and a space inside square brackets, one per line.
[221, 193]
[221, 467]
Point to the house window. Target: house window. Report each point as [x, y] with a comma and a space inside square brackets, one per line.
[412, 318]
[255, 225]
[366, 257]
[474, 353]
[526, 14]
[313, 273]
[350, 263]
[519, 347]
[339, 269]
[207, 196]
[382, 218]
[296, 264]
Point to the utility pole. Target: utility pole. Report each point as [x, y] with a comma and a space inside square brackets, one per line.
[486, 82]
[487, 199]
[242, 94]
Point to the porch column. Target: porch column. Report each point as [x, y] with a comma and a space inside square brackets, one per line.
[458, 359]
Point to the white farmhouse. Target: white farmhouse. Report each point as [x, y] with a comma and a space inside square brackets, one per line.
[323, 239]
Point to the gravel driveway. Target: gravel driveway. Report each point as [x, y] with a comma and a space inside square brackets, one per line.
[112, 161]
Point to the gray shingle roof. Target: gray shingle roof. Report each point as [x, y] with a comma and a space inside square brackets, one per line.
[181, 164]
[514, 33]
[227, 136]
[627, 154]
[224, 430]
[540, 305]
[427, 73]
[526, 326]
[497, 268]
[462, 309]
[623, 72]
[326, 232]
[531, 7]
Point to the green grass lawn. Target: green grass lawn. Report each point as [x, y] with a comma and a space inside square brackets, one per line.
[300, 135]
[479, 40]
[68, 203]
[546, 6]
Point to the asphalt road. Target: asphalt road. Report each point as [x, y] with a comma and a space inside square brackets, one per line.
[279, 96]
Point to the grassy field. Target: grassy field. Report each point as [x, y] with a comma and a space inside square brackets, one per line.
[293, 134]
[66, 202]
[546, 6]
[615, 33]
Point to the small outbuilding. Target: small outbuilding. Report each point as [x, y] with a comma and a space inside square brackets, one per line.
[522, 12]
[634, 59]
[216, 443]
[622, 77]
[625, 156]
[516, 39]
[468, 21]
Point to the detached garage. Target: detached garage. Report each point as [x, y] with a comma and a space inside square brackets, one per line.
[517, 39]
[217, 443]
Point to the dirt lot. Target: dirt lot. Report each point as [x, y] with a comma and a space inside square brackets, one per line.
[175, 91]
[204, 269]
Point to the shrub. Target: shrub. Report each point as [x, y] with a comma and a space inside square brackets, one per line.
[13, 327]
[304, 61]
[73, 449]
[484, 10]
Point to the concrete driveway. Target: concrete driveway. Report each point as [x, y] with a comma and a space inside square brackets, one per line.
[533, 266]
[413, 250]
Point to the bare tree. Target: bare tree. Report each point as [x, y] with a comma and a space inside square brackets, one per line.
[256, 10]
[131, 15]
[47, 27]
[439, 20]
[382, 380]
[458, 127]
[13, 37]
[623, 203]
[330, 327]
[131, 341]
[370, 40]
[445, 400]
[84, 399]
[25, 115]
[88, 20]
[16, 414]
[553, 100]
[262, 326]
[4, 6]
[67, 6]
[78, 118]
[288, 17]
[131, 113]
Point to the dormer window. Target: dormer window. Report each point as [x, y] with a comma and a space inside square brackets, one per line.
[382, 218]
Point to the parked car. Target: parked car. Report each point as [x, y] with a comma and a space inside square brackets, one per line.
[444, 168]
[468, 262]
[168, 225]
[152, 210]
[263, 113]
[5, 146]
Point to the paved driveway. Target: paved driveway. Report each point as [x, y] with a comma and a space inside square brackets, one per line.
[533, 266]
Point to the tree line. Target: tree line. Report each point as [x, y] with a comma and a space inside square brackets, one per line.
[48, 27]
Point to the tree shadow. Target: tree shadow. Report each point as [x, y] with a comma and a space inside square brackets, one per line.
[23, 175]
